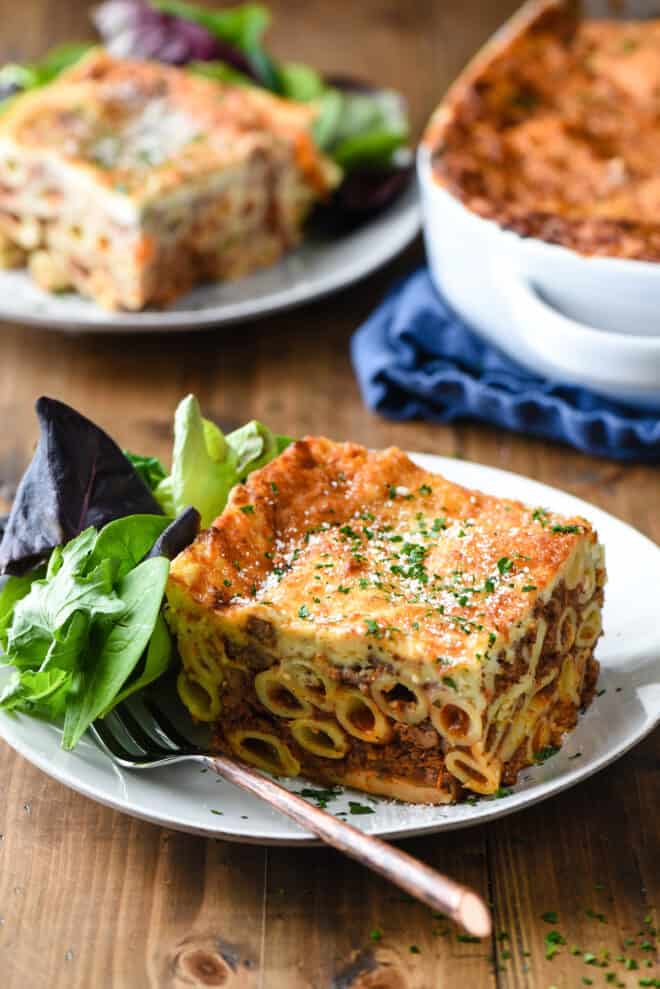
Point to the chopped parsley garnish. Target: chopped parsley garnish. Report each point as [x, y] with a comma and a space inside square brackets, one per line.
[540, 515]
[529, 587]
[343, 590]
[552, 940]
[248, 509]
[274, 488]
[566, 529]
[303, 611]
[226, 582]
[425, 489]
[218, 812]
[596, 916]
[450, 682]
[372, 627]
[376, 934]
[414, 950]
[321, 797]
[550, 917]
[504, 564]
[467, 939]
[546, 753]
[357, 808]
[439, 524]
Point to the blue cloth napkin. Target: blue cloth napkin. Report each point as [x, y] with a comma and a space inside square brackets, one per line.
[415, 358]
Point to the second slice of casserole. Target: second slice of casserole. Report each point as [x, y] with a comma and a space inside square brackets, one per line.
[356, 619]
[133, 181]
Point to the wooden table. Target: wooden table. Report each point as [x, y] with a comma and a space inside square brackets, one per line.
[89, 898]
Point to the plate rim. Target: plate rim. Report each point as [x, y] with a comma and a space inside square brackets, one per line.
[501, 808]
[404, 213]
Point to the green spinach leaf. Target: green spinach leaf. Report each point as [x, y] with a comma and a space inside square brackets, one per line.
[101, 679]
[156, 662]
[128, 540]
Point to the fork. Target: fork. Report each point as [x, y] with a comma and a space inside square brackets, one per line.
[161, 744]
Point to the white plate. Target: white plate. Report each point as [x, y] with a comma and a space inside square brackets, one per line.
[322, 264]
[181, 797]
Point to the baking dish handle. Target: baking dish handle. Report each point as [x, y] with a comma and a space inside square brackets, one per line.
[581, 353]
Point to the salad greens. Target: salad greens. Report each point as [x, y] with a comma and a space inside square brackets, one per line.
[77, 633]
[241, 27]
[206, 464]
[149, 469]
[86, 629]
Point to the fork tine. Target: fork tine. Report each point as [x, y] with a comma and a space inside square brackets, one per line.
[165, 729]
[137, 734]
[109, 742]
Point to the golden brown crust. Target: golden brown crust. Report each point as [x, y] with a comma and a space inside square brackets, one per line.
[196, 125]
[553, 132]
[354, 537]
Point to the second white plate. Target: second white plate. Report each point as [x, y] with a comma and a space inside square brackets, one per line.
[626, 709]
[322, 264]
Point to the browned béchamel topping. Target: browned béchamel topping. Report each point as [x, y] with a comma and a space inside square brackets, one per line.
[367, 548]
[554, 132]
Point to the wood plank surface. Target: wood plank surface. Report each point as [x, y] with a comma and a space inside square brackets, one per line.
[90, 899]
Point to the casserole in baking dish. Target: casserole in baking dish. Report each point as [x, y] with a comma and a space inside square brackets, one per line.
[539, 176]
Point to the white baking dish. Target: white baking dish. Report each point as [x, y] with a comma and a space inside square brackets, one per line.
[591, 321]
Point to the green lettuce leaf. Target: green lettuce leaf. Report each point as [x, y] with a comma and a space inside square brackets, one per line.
[300, 82]
[77, 634]
[38, 694]
[13, 590]
[206, 464]
[362, 128]
[50, 603]
[150, 469]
